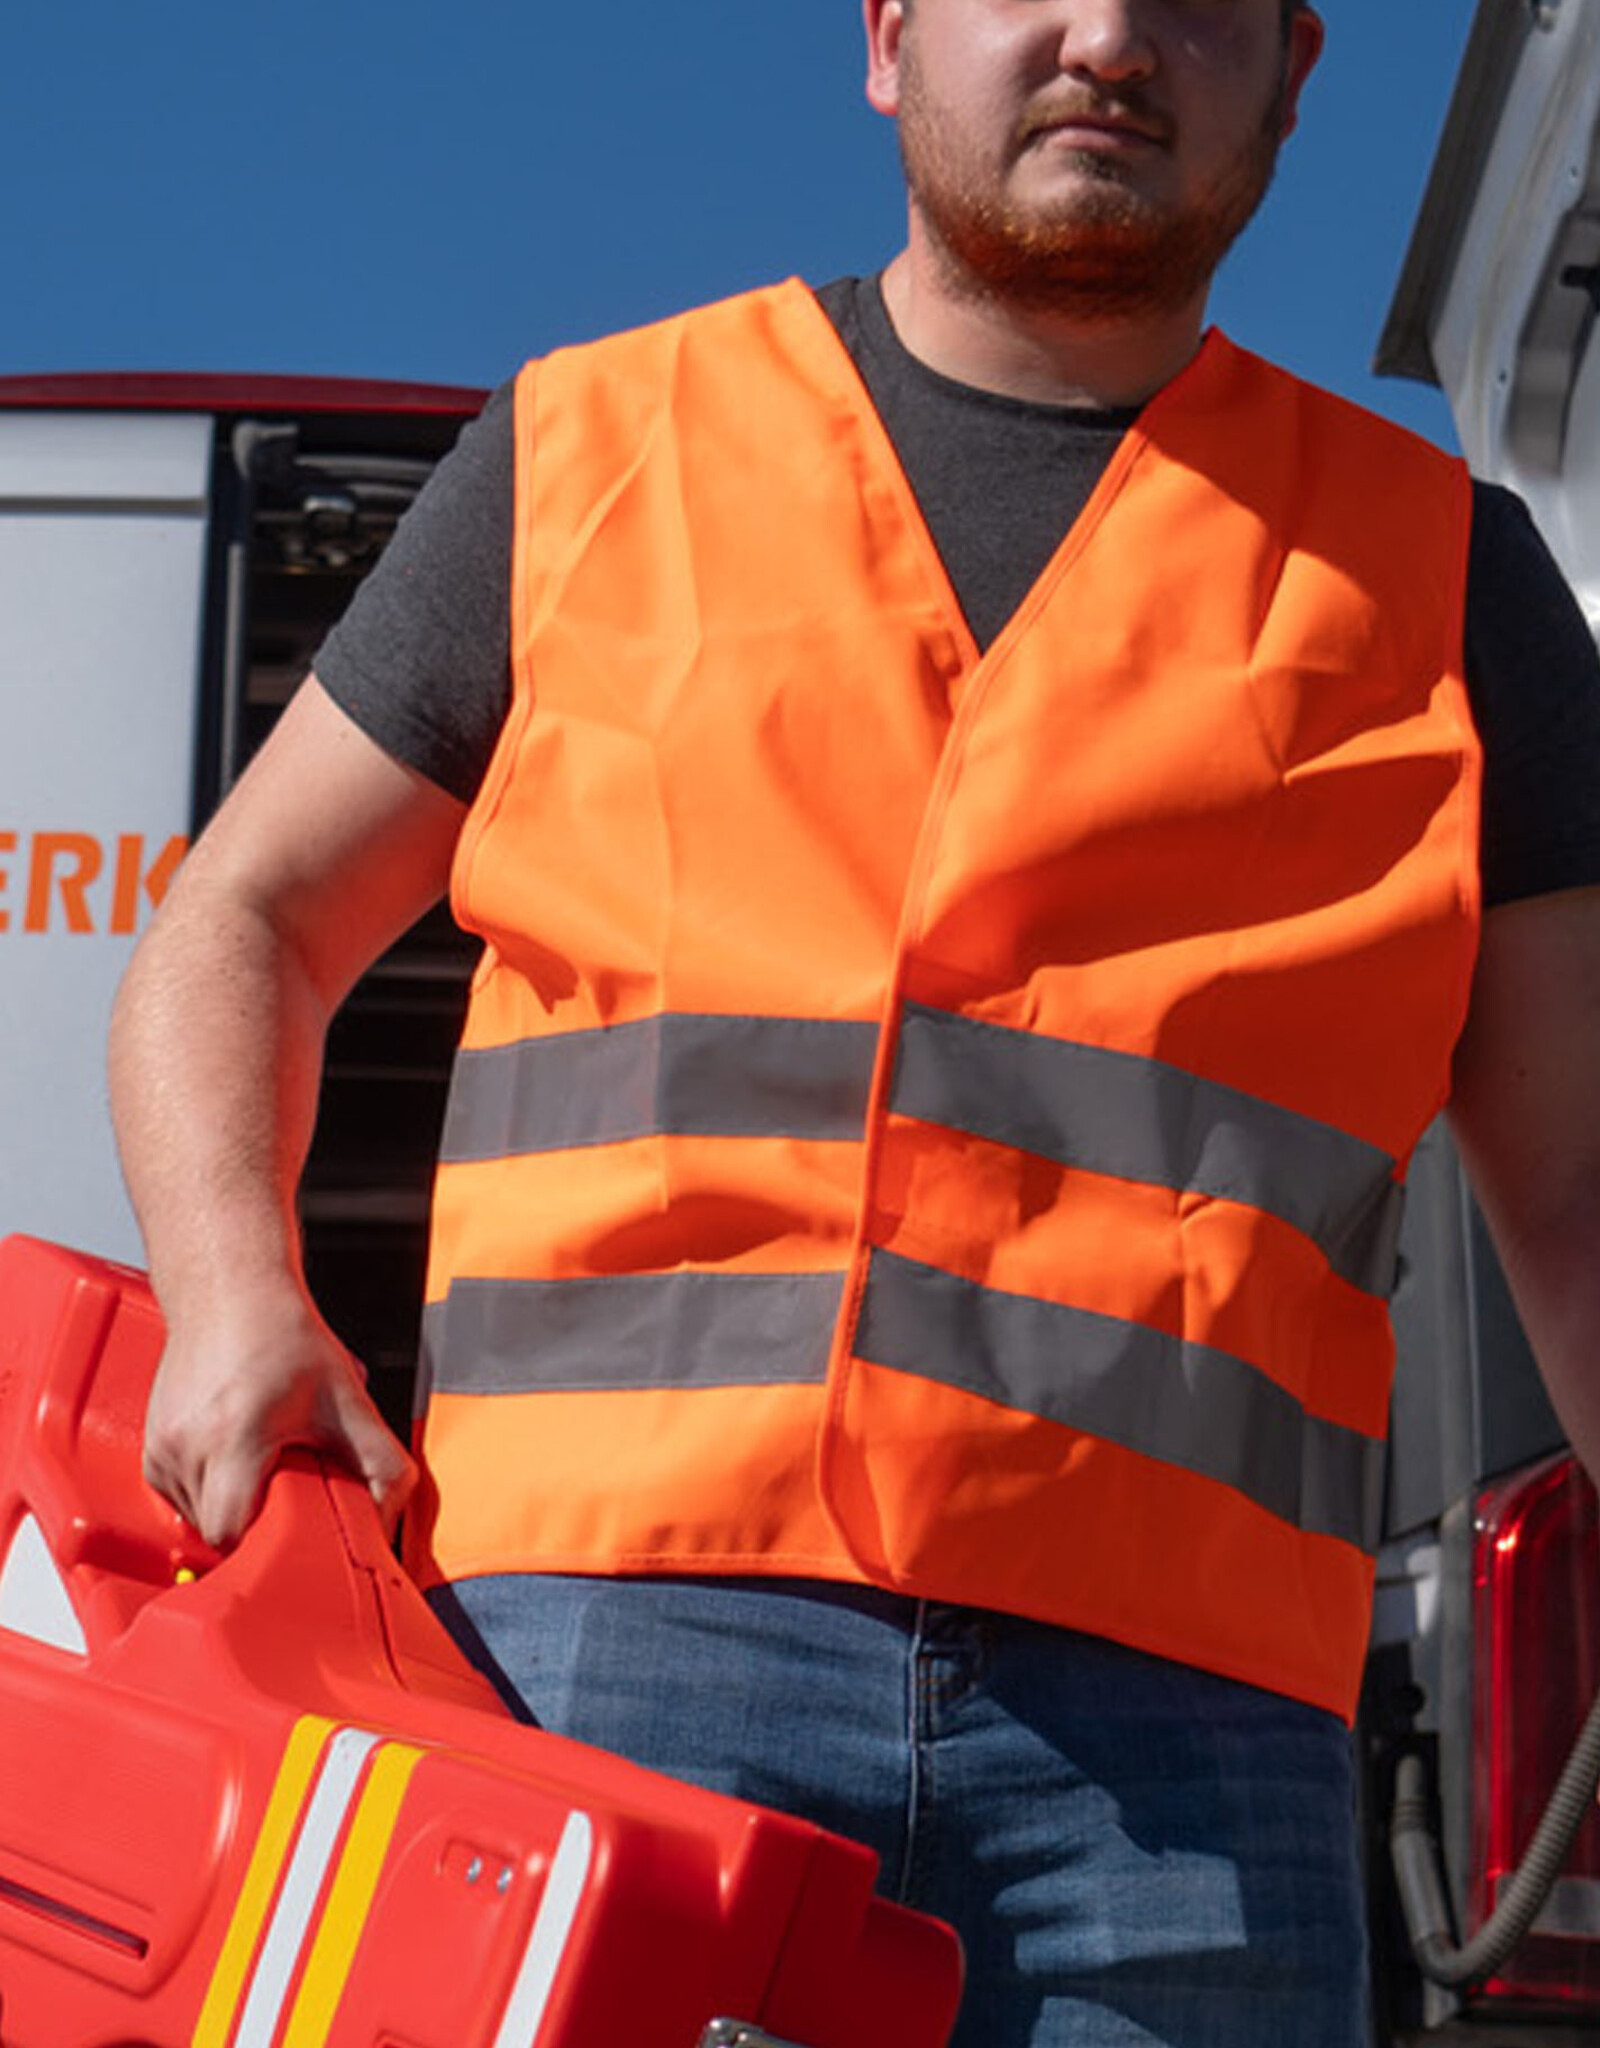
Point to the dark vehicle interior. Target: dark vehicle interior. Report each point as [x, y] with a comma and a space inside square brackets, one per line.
[304, 507]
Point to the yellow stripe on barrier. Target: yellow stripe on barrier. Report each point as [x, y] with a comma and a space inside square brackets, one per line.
[350, 1897]
[301, 1755]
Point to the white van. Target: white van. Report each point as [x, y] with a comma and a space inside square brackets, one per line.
[1485, 1666]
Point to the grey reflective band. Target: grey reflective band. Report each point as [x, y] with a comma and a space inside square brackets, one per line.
[674, 1076]
[1180, 1403]
[1143, 1120]
[630, 1330]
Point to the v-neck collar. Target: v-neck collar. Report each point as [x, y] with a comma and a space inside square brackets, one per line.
[819, 348]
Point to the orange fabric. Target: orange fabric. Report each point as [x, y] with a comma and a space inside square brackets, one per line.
[755, 1205]
[1210, 799]
[1110, 1543]
[659, 1509]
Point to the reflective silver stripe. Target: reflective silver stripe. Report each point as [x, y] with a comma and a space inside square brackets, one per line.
[630, 1330]
[291, 1917]
[1181, 1403]
[1143, 1120]
[672, 1076]
[550, 1934]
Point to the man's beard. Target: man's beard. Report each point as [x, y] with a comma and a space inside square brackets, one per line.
[1102, 254]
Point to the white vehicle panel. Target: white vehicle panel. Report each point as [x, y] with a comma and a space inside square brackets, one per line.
[1527, 413]
[102, 566]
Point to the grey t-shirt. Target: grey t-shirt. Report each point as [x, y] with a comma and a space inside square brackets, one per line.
[422, 658]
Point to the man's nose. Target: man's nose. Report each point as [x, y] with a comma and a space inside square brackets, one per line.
[1107, 39]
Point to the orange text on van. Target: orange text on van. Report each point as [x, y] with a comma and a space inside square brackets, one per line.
[81, 882]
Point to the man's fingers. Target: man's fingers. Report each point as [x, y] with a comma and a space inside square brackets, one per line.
[218, 1498]
[167, 1480]
[390, 1491]
[378, 1456]
[229, 1494]
[216, 1475]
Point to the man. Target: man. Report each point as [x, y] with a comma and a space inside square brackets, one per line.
[971, 940]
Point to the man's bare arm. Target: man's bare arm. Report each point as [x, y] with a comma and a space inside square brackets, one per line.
[1526, 1115]
[320, 858]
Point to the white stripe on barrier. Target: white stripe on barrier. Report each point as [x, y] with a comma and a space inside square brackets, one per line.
[324, 1822]
[547, 1942]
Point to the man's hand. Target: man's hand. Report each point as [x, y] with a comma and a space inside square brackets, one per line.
[226, 1404]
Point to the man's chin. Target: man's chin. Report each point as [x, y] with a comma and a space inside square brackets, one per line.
[1102, 249]
[1105, 262]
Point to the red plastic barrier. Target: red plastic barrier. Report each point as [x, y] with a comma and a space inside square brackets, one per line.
[261, 1802]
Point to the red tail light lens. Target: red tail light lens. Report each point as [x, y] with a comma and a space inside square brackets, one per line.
[1537, 1669]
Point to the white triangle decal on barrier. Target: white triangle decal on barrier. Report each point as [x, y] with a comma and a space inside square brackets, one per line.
[33, 1597]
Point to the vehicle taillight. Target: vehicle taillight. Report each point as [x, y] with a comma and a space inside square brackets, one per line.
[1536, 1660]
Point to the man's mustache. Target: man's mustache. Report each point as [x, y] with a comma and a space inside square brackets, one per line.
[1097, 110]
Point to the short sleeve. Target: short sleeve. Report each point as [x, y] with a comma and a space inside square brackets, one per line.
[1533, 674]
[421, 659]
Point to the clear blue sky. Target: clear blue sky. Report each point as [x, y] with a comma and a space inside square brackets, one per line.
[386, 188]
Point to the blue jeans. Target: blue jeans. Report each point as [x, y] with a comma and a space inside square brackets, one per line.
[1132, 1852]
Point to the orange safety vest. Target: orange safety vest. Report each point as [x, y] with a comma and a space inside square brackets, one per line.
[935, 1120]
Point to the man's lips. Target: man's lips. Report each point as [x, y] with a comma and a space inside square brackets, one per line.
[1103, 126]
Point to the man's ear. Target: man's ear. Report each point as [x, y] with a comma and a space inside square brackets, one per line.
[1305, 47]
[884, 21]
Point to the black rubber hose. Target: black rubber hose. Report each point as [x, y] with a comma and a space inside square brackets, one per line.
[1416, 1866]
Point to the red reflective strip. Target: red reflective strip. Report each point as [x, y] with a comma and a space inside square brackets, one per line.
[209, 391]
